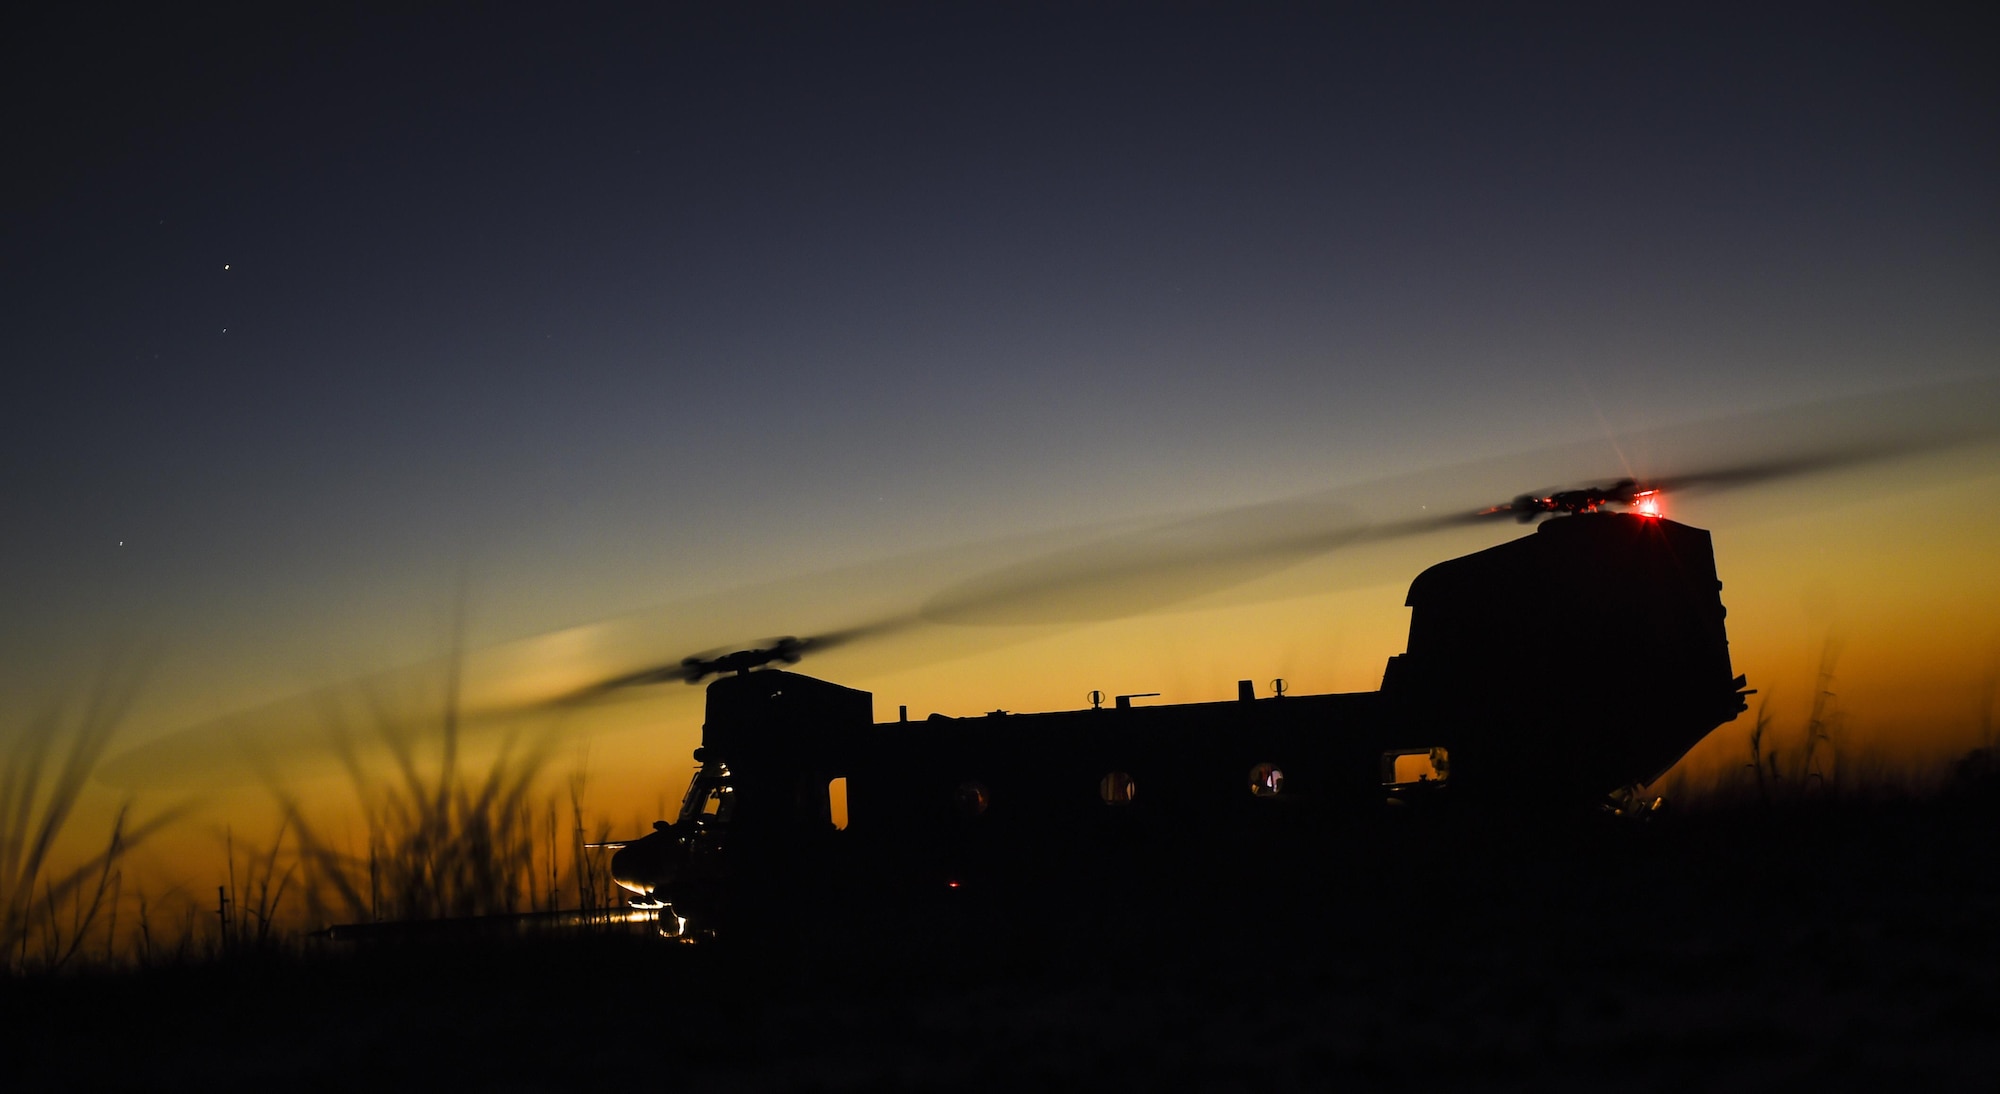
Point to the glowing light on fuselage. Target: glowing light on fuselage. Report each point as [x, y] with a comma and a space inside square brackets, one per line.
[1647, 504]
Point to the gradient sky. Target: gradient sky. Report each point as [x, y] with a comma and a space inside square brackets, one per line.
[308, 315]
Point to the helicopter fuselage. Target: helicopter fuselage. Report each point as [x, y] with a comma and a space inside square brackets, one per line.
[1540, 675]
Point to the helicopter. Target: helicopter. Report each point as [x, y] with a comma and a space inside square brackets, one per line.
[1492, 708]
[1540, 675]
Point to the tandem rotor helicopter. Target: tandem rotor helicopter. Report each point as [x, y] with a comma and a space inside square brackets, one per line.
[1546, 677]
[1489, 708]
[1500, 710]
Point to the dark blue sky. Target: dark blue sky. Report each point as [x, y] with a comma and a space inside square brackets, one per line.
[629, 306]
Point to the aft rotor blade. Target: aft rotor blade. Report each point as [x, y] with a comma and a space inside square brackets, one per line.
[1167, 565]
[1150, 569]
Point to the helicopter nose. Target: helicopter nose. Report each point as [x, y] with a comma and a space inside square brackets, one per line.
[646, 865]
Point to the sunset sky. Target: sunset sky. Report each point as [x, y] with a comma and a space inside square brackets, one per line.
[662, 333]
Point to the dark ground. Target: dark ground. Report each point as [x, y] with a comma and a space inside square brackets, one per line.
[1843, 947]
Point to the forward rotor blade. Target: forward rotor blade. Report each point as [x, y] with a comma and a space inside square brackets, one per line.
[681, 673]
[694, 669]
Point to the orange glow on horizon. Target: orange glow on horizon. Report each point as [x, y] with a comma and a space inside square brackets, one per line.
[1897, 581]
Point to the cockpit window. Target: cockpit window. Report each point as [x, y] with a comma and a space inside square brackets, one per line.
[710, 794]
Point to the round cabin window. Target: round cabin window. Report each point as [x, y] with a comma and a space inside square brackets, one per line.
[1117, 788]
[1266, 780]
[971, 798]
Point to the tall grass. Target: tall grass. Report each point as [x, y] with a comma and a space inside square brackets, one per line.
[49, 912]
[1979, 770]
[441, 837]
[1812, 763]
[442, 840]
[1812, 758]
[247, 908]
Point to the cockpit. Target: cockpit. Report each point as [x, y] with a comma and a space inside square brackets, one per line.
[710, 795]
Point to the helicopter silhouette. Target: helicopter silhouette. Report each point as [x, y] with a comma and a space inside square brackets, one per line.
[1546, 678]
[1492, 708]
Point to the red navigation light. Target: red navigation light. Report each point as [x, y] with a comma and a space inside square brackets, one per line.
[1646, 503]
[951, 884]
